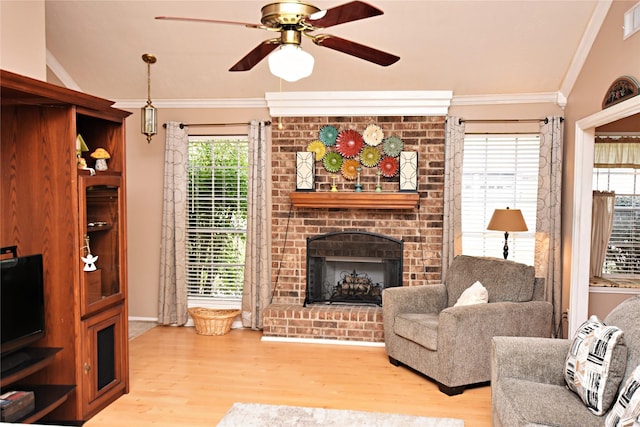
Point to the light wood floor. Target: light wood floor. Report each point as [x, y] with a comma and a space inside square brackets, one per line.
[179, 378]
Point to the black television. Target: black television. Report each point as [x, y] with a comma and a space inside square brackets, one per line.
[22, 303]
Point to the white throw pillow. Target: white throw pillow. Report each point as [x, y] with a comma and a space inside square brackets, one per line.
[474, 294]
[595, 364]
[626, 410]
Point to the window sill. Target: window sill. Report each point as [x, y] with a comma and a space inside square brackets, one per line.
[613, 290]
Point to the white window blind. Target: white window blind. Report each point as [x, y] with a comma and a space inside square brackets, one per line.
[499, 171]
[623, 251]
[217, 216]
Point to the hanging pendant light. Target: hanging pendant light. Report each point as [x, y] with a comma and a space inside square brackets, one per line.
[148, 112]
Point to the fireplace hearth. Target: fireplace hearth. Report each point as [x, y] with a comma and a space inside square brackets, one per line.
[352, 267]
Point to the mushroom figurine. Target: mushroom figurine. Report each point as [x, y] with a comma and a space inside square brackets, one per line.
[101, 155]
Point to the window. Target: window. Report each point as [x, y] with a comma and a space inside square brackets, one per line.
[623, 252]
[499, 171]
[631, 23]
[217, 217]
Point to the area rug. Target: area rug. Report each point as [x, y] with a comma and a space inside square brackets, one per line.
[256, 414]
[137, 328]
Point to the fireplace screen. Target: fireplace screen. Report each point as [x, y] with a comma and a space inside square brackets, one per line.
[352, 267]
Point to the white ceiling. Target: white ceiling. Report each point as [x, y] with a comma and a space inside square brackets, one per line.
[472, 47]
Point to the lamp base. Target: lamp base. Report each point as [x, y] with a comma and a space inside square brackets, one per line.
[505, 249]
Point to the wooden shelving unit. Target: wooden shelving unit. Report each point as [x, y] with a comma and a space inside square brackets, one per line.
[354, 200]
[51, 207]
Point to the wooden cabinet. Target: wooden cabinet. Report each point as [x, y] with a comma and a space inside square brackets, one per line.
[51, 207]
[104, 375]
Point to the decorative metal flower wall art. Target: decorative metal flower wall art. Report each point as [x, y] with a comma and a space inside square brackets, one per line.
[351, 152]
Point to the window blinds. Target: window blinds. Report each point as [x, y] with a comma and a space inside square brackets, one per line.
[499, 171]
[623, 251]
[216, 216]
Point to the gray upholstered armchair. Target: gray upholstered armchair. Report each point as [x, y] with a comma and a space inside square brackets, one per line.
[452, 345]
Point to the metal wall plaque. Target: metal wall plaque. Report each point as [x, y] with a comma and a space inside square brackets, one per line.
[409, 171]
[305, 171]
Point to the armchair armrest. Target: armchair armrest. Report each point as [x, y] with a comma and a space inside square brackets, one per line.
[465, 333]
[528, 358]
[414, 299]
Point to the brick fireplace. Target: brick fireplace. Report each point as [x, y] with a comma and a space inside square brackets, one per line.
[420, 228]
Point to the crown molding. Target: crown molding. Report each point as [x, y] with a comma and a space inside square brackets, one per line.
[516, 98]
[193, 103]
[356, 103]
[393, 103]
[586, 43]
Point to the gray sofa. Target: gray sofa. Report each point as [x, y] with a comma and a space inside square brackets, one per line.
[527, 378]
[452, 345]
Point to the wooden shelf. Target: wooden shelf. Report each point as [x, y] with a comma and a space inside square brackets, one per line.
[47, 398]
[35, 359]
[354, 200]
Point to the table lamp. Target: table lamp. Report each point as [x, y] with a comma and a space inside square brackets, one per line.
[507, 220]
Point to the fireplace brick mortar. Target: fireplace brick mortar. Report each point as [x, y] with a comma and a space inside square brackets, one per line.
[420, 228]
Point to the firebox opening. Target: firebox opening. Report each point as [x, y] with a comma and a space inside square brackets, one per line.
[352, 267]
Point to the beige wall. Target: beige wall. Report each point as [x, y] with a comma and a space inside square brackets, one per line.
[22, 38]
[609, 58]
[601, 304]
[145, 175]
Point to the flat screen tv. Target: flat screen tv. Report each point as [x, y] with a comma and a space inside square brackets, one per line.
[21, 302]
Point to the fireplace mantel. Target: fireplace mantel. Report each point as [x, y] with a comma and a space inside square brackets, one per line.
[354, 200]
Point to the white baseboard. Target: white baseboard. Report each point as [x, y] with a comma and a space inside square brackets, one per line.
[142, 319]
[322, 341]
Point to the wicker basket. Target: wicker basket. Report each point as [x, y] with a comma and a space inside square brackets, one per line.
[209, 321]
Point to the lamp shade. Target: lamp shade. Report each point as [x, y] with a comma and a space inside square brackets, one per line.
[291, 63]
[507, 220]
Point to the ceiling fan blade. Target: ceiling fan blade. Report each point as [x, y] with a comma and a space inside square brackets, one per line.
[347, 12]
[356, 49]
[211, 21]
[256, 55]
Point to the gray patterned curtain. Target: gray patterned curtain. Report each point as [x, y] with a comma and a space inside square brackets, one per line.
[172, 303]
[452, 220]
[548, 216]
[256, 292]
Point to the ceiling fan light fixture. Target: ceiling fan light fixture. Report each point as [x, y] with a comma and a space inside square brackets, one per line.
[291, 63]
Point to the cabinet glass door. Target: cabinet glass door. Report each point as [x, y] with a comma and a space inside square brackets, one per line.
[102, 246]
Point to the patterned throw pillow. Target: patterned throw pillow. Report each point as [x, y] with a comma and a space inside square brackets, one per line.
[595, 364]
[626, 410]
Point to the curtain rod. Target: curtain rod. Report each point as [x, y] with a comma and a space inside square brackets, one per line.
[499, 133]
[545, 120]
[182, 125]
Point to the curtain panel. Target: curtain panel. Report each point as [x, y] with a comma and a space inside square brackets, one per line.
[617, 153]
[548, 216]
[452, 218]
[172, 295]
[256, 291]
[601, 227]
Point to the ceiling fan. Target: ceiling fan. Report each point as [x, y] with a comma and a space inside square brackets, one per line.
[294, 19]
